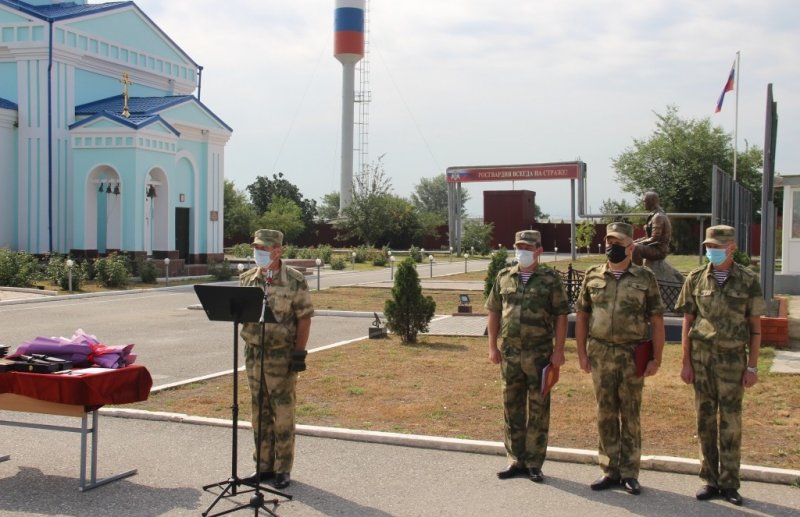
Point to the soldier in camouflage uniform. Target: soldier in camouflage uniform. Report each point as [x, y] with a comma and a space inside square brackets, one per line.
[527, 307]
[722, 304]
[616, 302]
[284, 355]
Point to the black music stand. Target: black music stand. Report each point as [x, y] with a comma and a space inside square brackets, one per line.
[238, 305]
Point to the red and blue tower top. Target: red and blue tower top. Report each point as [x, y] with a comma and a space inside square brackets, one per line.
[348, 43]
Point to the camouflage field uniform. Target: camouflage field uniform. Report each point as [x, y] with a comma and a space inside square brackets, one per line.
[719, 337]
[619, 313]
[290, 301]
[528, 313]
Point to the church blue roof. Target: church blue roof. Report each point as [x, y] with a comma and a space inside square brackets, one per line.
[133, 122]
[141, 108]
[63, 10]
[8, 105]
[136, 105]
[67, 10]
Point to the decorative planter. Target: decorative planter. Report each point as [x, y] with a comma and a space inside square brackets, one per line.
[775, 331]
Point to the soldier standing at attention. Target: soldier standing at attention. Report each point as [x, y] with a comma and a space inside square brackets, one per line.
[722, 304]
[616, 302]
[528, 307]
[284, 355]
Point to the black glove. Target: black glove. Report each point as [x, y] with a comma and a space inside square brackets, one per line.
[298, 363]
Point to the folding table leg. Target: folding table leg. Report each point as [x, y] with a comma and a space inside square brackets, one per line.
[94, 481]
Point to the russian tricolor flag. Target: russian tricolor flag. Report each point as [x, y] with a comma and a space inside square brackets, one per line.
[728, 87]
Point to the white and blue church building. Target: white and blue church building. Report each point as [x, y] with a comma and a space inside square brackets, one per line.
[104, 143]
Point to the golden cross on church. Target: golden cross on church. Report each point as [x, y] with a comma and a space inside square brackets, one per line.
[125, 83]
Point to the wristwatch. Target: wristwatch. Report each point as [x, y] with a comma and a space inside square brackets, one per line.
[753, 369]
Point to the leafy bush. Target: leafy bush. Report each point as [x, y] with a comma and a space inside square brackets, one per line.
[325, 252]
[415, 253]
[221, 271]
[112, 271]
[17, 268]
[477, 236]
[290, 251]
[408, 312]
[57, 273]
[147, 271]
[362, 254]
[243, 250]
[338, 263]
[497, 263]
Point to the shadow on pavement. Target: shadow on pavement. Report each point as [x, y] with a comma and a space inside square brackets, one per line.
[123, 497]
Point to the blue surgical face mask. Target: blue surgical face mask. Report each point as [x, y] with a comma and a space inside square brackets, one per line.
[716, 256]
[262, 258]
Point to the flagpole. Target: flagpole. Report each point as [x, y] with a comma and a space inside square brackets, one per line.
[738, 85]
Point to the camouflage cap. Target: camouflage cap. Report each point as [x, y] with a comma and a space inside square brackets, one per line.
[721, 235]
[532, 237]
[268, 238]
[622, 231]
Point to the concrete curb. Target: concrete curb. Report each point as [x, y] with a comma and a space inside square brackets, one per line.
[656, 463]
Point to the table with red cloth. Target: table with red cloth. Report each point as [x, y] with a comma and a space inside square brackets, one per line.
[73, 394]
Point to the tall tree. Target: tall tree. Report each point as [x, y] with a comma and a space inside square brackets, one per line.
[240, 215]
[366, 217]
[677, 159]
[263, 190]
[328, 209]
[430, 196]
[284, 215]
[676, 162]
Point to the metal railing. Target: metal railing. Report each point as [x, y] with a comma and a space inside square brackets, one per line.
[573, 279]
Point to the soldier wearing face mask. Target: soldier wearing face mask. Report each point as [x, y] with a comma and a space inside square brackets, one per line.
[616, 303]
[722, 304]
[528, 308]
[284, 354]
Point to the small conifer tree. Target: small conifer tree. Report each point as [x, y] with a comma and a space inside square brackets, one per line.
[497, 263]
[408, 312]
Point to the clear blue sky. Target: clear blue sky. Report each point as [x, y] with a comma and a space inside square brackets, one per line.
[480, 82]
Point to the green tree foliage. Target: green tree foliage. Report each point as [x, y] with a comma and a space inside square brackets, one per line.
[17, 268]
[676, 162]
[677, 159]
[498, 262]
[328, 209]
[112, 271]
[284, 215]
[613, 206]
[584, 234]
[408, 312]
[477, 235]
[430, 197]
[378, 217]
[240, 215]
[57, 273]
[537, 212]
[264, 190]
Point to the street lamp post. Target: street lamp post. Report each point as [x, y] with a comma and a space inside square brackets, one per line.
[70, 263]
[598, 249]
[451, 253]
[466, 257]
[240, 268]
[430, 260]
[391, 267]
[319, 264]
[556, 252]
[354, 260]
[166, 267]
